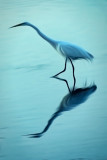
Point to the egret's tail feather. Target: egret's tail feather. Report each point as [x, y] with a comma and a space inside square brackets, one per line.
[91, 56]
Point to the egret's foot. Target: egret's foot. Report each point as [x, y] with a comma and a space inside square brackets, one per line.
[53, 76]
[56, 75]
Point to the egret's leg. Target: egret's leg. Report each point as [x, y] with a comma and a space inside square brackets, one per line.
[73, 74]
[62, 70]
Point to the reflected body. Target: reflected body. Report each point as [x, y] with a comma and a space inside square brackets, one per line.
[68, 50]
[73, 99]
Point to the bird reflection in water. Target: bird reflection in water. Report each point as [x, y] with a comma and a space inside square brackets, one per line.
[74, 98]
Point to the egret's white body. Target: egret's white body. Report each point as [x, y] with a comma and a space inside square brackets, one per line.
[72, 51]
[68, 50]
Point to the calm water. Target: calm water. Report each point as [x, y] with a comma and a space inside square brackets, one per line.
[65, 126]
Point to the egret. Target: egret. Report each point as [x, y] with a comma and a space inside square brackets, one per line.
[68, 50]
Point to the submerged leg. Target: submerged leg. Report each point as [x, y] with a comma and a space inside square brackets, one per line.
[61, 79]
[62, 70]
[73, 74]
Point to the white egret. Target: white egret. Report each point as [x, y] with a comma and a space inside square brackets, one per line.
[68, 50]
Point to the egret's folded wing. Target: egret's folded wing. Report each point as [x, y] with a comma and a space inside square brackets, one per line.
[75, 52]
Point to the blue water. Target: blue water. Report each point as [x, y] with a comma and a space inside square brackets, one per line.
[65, 126]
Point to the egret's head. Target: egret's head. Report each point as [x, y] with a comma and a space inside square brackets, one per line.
[21, 24]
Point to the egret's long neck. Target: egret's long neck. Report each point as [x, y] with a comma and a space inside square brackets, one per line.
[51, 41]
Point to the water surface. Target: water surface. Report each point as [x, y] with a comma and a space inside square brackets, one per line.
[29, 97]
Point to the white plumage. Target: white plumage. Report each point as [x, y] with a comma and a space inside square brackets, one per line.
[68, 50]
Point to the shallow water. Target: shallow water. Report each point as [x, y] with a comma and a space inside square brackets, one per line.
[70, 126]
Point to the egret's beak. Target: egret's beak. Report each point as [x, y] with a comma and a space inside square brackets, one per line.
[21, 24]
